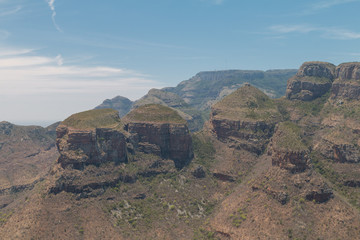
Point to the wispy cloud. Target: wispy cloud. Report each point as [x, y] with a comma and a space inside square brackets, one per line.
[318, 6]
[13, 52]
[292, 28]
[51, 4]
[27, 74]
[329, 3]
[329, 33]
[218, 2]
[10, 11]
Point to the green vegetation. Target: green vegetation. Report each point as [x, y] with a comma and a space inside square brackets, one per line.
[238, 217]
[4, 217]
[202, 234]
[316, 79]
[203, 149]
[326, 169]
[91, 119]
[155, 113]
[306, 108]
[288, 136]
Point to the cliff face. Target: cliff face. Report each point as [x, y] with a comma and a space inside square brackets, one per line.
[287, 149]
[347, 83]
[83, 147]
[313, 80]
[245, 119]
[165, 134]
[93, 144]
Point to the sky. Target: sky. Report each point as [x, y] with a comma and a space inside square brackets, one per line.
[59, 57]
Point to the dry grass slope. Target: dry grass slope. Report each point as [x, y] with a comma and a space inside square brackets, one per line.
[94, 119]
[155, 113]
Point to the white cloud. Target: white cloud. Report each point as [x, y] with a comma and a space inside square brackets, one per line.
[13, 52]
[51, 4]
[218, 1]
[292, 28]
[35, 88]
[329, 33]
[6, 12]
[23, 74]
[330, 3]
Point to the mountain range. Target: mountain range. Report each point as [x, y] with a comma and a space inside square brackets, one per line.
[259, 166]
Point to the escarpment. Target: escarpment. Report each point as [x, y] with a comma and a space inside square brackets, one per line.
[160, 130]
[97, 142]
[313, 80]
[91, 137]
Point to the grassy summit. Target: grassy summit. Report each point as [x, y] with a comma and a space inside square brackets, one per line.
[94, 119]
[154, 113]
[247, 103]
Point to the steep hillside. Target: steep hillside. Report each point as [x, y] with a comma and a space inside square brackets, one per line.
[26, 153]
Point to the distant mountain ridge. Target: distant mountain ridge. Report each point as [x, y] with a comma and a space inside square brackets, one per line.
[193, 98]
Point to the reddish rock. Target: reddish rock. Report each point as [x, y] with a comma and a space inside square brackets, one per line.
[296, 161]
[79, 145]
[347, 83]
[287, 149]
[167, 140]
[313, 80]
[160, 130]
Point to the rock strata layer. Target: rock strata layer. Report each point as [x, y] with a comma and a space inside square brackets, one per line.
[313, 80]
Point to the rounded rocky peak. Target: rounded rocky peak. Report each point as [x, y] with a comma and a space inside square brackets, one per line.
[246, 96]
[247, 103]
[348, 71]
[154, 113]
[317, 69]
[97, 118]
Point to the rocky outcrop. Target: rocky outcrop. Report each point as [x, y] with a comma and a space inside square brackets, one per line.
[296, 161]
[287, 149]
[160, 130]
[319, 193]
[79, 146]
[340, 145]
[313, 80]
[247, 135]
[347, 83]
[245, 119]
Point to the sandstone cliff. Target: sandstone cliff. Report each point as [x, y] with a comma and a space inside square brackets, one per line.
[313, 80]
[347, 82]
[91, 137]
[160, 130]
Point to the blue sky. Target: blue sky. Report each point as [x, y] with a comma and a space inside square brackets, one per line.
[58, 57]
